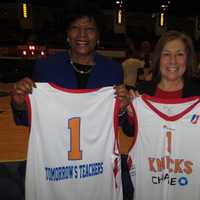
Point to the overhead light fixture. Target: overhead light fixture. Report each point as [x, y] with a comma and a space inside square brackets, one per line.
[25, 10]
[162, 19]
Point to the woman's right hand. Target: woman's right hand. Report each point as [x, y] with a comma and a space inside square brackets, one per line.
[20, 90]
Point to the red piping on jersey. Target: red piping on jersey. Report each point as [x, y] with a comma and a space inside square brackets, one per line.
[116, 124]
[72, 90]
[28, 106]
[146, 98]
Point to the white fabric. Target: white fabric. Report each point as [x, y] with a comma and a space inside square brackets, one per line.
[165, 156]
[57, 167]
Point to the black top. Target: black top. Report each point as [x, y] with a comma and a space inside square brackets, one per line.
[82, 78]
[191, 88]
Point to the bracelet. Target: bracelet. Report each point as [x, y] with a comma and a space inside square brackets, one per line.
[122, 113]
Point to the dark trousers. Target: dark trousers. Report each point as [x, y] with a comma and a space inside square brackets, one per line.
[12, 177]
[128, 189]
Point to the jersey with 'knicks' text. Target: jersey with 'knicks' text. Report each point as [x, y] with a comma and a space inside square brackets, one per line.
[73, 147]
[165, 156]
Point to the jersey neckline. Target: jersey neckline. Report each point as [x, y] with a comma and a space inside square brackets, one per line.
[148, 99]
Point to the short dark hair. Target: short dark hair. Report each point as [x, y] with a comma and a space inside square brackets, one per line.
[168, 36]
[81, 11]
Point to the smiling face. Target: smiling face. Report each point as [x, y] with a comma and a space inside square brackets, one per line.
[82, 36]
[173, 61]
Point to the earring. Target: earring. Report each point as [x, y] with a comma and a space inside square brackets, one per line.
[68, 40]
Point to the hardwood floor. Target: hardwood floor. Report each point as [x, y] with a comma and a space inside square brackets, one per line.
[13, 139]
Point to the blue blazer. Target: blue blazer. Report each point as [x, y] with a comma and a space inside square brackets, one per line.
[57, 69]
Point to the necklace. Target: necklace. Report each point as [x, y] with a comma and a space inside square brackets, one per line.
[80, 71]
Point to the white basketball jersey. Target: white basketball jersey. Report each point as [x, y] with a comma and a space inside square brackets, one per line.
[73, 150]
[165, 156]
